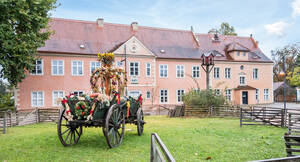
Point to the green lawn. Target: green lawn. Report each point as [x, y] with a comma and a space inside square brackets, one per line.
[187, 139]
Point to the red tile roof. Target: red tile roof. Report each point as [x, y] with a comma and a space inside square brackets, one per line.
[178, 44]
[236, 47]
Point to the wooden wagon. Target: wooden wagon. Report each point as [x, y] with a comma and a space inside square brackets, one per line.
[104, 108]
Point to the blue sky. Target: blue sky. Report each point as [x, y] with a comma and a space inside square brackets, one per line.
[274, 23]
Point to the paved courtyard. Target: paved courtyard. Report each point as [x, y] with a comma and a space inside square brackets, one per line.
[289, 105]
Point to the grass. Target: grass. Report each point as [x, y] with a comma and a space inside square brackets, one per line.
[188, 139]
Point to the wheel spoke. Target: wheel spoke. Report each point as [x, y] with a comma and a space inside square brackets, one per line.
[77, 132]
[65, 117]
[114, 136]
[71, 136]
[66, 139]
[115, 116]
[74, 137]
[65, 131]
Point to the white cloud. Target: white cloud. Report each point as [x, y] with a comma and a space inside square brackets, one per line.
[296, 8]
[277, 28]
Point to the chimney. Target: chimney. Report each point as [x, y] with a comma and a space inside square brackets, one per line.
[100, 22]
[134, 26]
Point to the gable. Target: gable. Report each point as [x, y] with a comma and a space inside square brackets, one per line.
[133, 47]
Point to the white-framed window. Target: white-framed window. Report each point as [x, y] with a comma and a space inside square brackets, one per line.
[119, 63]
[218, 91]
[134, 94]
[255, 73]
[148, 69]
[196, 71]
[196, 90]
[180, 93]
[266, 94]
[257, 94]
[216, 72]
[77, 93]
[228, 94]
[227, 73]
[163, 71]
[77, 68]
[244, 53]
[55, 96]
[94, 65]
[38, 68]
[37, 99]
[163, 96]
[242, 80]
[57, 67]
[148, 95]
[134, 68]
[179, 71]
[238, 53]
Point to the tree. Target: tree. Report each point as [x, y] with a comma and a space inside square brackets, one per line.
[294, 77]
[225, 29]
[291, 52]
[23, 28]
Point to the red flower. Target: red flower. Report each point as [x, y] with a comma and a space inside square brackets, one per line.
[82, 113]
[77, 107]
[82, 106]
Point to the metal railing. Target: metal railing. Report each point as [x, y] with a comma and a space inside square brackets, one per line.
[156, 154]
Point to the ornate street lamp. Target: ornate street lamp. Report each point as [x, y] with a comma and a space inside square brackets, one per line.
[283, 73]
[207, 65]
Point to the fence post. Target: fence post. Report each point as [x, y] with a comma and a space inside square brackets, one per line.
[37, 115]
[4, 123]
[282, 118]
[241, 117]
[264, 115]
[290, 123]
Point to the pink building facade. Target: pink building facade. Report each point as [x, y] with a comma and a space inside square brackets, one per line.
[162, 64]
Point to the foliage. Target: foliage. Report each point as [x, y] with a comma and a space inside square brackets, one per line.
[6, 102]
[6, 97]
[203, 99]
[188, 139]
[23, 29]
[291, 52]
[294, 78]
[225, 29]
[2, 88]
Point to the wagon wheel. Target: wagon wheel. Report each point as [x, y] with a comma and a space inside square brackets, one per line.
[140, 121]
[68, 134]
[114, 127]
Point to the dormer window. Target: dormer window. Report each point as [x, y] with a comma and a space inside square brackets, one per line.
[244, 53]
[238, 53]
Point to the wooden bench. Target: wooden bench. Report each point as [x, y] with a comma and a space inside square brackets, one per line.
[292, 138]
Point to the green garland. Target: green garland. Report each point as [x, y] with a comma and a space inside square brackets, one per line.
[82, 110]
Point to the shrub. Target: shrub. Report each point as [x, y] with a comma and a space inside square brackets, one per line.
[6, 102]
[203, 99]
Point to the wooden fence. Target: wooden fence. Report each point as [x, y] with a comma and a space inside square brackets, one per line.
[28, 116]
[262, 116]
[222, 111]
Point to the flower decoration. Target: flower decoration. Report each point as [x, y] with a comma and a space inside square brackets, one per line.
[82, 110]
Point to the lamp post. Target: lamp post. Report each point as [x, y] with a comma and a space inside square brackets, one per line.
[284, 88]
[207, 65]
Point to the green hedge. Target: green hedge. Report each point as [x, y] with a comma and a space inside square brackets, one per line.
[203, 99]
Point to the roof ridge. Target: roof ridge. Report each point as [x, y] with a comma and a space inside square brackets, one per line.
[149, 27]
[116, 24]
